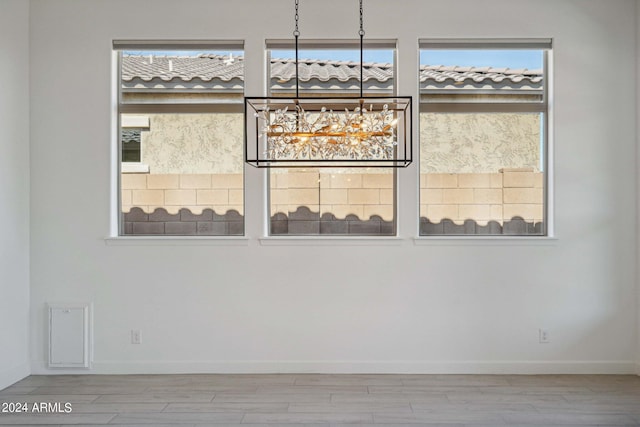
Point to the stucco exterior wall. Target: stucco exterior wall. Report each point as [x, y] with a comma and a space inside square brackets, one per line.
[450, 143]
[479, 142]
[193, 143]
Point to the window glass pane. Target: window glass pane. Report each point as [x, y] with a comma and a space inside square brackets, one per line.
[182, 170]
[332, 201]
[482, 168]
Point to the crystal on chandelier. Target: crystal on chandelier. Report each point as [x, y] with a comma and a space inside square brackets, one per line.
[370, 131]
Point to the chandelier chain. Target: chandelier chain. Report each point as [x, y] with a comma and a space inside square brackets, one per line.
[361, 32]
[296, 32]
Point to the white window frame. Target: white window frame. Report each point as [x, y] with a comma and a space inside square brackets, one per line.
[116, 236]
[544, 107]
[330, 44]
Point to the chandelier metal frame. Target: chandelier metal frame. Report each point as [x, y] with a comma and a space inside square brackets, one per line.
[364, 131]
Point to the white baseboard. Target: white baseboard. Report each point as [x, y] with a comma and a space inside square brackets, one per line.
[621, 367]
[638, 368]
[13, 375]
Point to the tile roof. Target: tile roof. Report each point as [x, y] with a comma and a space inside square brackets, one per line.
[185, 68]
[324, 71]
[130, 135]
[210, 67]
[440, 73]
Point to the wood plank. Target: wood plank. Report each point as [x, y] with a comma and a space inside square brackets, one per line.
[156, 418]
[307, 418]
[175, 397]
[47, 419]
[272, 397]
[228, 407]
[330, 400]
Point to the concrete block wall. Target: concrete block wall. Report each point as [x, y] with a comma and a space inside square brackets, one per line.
[340, 194]
[336, 202]
[483, 197]
[183, 223]
[172, 192]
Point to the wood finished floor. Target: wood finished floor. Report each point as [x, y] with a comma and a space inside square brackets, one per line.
[330, 400]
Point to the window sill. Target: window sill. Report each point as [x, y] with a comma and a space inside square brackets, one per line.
[177, 241]
[485, 241]
[331, 241]
[133, 167]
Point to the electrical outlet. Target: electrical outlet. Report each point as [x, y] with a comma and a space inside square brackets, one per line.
[543, 335]
[136, 336]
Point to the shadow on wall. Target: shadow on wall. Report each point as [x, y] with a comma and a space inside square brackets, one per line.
[305, 222]
[515, 227]
[184, 223]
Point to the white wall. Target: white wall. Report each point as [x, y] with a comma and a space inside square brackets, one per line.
[453, 306]
[14, 191]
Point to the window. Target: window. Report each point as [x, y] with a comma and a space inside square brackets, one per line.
[332, 201]
[181, 133]
[483, 138]
[130, 145]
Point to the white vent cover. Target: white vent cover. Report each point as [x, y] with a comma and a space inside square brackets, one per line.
[69, 335]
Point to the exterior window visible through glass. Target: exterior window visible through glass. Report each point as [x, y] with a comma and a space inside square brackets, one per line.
[483, 141]
[332, 201]
[130, 145]
[181, 142]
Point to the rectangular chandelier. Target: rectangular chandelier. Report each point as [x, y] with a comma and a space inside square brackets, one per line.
[328, 132]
